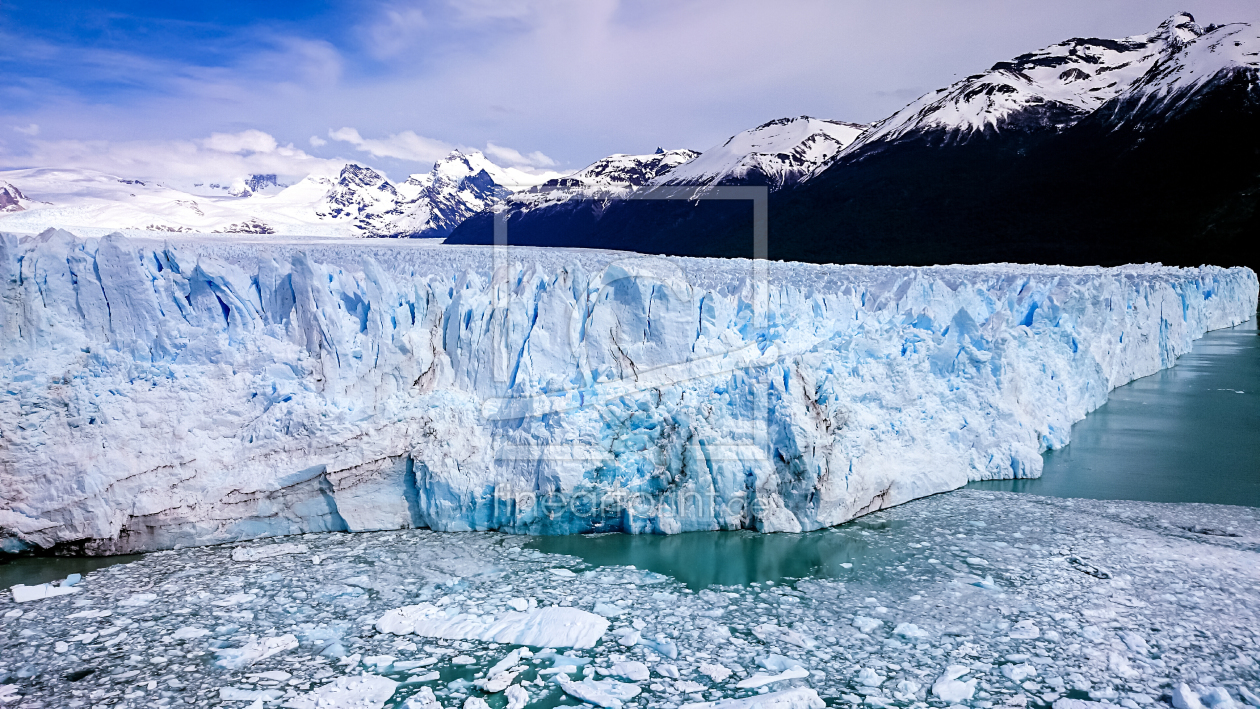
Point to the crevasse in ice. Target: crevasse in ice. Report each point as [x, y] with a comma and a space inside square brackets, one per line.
[159, 394]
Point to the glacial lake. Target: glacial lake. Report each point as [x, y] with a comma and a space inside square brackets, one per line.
[1190, 433]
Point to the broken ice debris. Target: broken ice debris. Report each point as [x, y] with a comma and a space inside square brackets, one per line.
[770, 633]
[605, 693]
[799, 698]
[253, 651]
[761, 679]
[554, 626]
[631, 670]
[24, 594]
[362, 692]
[950, 689]
[717, 673]
[260, 553]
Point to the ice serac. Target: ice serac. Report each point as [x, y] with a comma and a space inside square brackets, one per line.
[190, 392]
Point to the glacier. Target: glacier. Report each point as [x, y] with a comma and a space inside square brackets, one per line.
[161, 394]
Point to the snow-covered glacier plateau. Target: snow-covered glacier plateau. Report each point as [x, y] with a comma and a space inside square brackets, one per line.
[156, 394]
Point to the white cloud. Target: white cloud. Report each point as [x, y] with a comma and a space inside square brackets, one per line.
[247, 141]
[31, 130]
[403, 146]
[396, 30]
[318, 142]
[222, 156]
[513, 157]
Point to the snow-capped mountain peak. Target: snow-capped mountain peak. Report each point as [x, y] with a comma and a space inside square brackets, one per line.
[777, 153]
[11, 198]
[1216, 54]
[1050, 88]
[605, 179]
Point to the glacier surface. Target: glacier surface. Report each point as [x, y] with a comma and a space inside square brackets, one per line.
[165, 394]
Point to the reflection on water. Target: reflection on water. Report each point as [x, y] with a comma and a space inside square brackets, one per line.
[1186, 434]
[32, 570]
[700, 559]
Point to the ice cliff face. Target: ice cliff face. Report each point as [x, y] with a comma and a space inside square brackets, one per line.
[157, 395]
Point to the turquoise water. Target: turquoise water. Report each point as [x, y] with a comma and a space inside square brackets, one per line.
[1190, 433]
[33, 570]
[701, 559]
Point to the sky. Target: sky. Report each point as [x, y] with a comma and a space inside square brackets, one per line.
[217, 90]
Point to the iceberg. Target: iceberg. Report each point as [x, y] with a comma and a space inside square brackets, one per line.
[159, 394]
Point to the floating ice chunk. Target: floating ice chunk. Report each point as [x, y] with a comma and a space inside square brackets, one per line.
[985, 583]
[15, 613]
[867, 625]
[88, 614]
[463, 660]
[799, 698]
[1066, 703]
[517, 697]
[1092, 633]
[361, 692]
[869, 677]
[520, 605]
[605, 693]
[509, 661]
[139, 599]
[266, 552]
[1218, 698]
[906, 690]
[661, 646]
[770, 633]
[253, 651]
[72, 580]
[189, 632]
[631, 669]
[1249, 697]
[1120, 666]
[1025, 630]
[1136, 643]
[909, 631]
[667, 670]
[476, 703]
[1185, 698]
[274, 675]
[761, 679]
[950, 689]
[24, 594]
[554, 626]
[717, 673]
[686, 686]
[234, 600]
[422, 699]
[1018, 673]
[236, 694]
[380, 662]
[563, 573]
[9, 693]
[976, 561]
[627, 637]
[498, 681]
[778, 663]
[608, 610]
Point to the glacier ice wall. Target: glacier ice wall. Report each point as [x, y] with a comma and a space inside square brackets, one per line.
[177, 393]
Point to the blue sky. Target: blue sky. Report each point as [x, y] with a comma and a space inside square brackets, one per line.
[208, 89]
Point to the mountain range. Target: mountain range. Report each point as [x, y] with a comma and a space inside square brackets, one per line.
[354, 201]
[1090, 151]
